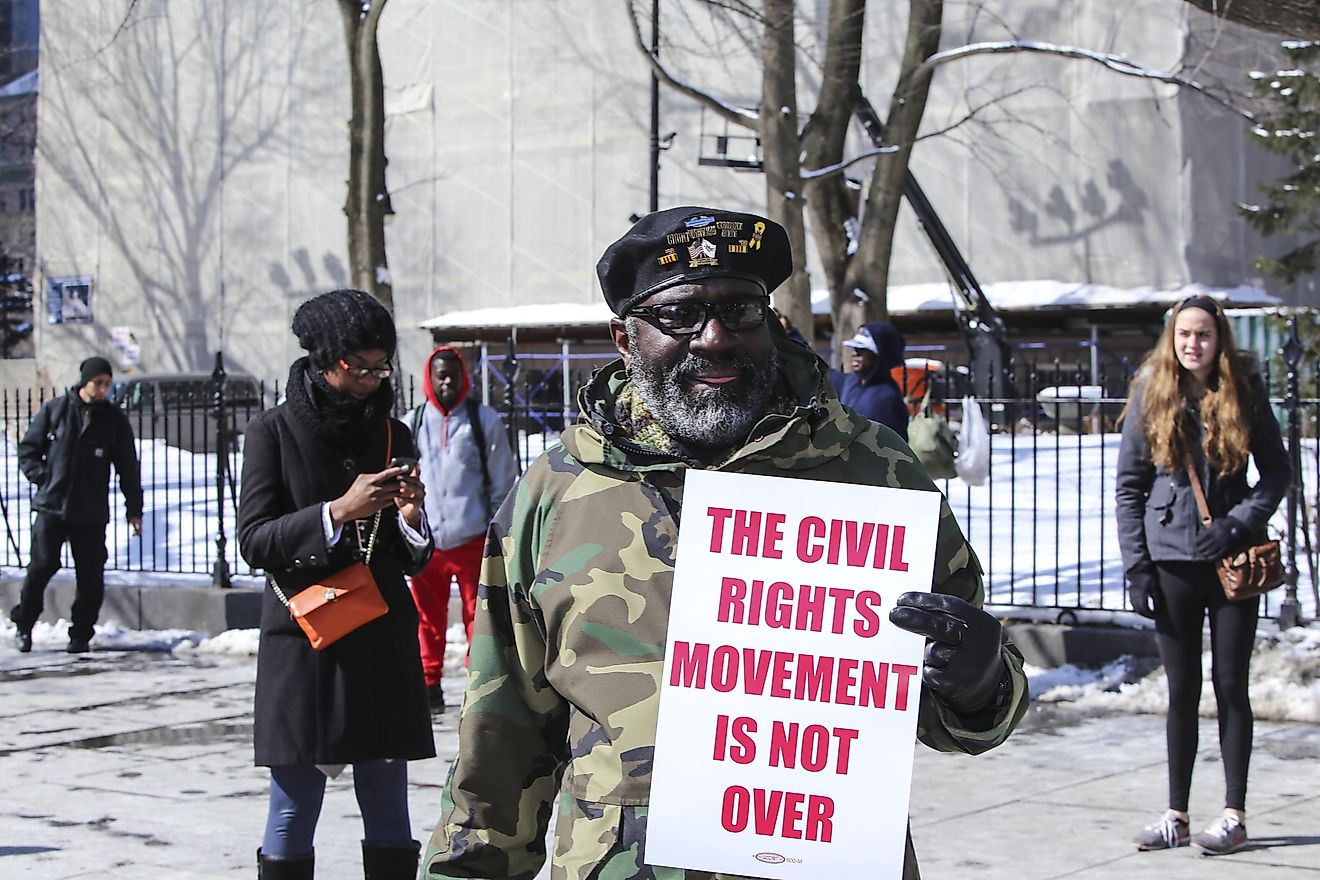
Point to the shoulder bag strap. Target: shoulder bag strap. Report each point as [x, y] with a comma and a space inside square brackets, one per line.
[1195, 480]
[479, 435]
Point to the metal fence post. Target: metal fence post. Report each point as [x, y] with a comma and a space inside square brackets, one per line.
[1290, 609]
[220, 570]
[511, 396]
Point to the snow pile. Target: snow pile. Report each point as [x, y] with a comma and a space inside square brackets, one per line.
[231, 642]
[109, 636]
[1285, 681]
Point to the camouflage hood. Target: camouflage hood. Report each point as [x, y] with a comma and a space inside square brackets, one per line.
[816, 429]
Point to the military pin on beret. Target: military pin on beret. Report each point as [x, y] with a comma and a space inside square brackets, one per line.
[686, 244]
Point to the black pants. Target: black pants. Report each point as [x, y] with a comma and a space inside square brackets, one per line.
[87, 541]
[1188, 590]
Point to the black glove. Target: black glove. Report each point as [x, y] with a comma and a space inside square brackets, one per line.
[1144, 588]
[963, 663]
[1220, 538]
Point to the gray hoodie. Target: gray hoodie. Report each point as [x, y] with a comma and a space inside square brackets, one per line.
[456, 507]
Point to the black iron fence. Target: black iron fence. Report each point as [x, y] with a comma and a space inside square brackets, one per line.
[1042, 522]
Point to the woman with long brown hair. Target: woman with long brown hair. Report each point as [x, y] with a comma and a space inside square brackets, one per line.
[1198, 400]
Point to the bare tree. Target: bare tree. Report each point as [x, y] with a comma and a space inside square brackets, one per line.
[368, 200]
[779, 138]
[853, 224]
[1294, 18]
[176, 145]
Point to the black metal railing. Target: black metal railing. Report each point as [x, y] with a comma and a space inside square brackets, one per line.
[1043, 522]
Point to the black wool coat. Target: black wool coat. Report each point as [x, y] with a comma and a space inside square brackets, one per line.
[1157, 515]
[363, 697]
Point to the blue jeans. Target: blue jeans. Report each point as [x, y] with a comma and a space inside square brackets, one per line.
[296, 793]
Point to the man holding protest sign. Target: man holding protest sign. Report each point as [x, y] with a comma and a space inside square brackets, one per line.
[569, 650]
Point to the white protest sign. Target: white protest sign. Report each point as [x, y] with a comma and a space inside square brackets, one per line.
[788, 706]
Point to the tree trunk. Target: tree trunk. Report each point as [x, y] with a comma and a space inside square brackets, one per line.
[831, 202]
[368, 200]
[862, 298]
[1291, 18]
[780, 149]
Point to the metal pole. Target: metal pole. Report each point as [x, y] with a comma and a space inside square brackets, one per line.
[511, 396]
[564, 364]
[220, 571]
[1290, 611]
[655, 109]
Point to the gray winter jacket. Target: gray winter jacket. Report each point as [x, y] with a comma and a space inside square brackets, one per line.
[451, 471]
[1157, 516]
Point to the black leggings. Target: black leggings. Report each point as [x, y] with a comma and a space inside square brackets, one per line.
[1187, 591]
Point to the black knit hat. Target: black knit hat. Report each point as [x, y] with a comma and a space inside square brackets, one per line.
[91, 368]
[341, 322]
[680, 245]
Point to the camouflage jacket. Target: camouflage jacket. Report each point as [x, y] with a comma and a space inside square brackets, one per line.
[568, 647]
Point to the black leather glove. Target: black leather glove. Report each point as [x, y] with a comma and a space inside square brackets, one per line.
[1220, 538]
[1143, 588]
[963, 663]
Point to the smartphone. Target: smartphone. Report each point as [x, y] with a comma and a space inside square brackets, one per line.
[403, 461]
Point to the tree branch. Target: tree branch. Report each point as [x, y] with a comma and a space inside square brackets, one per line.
[817, 173]
[1109, 60]
[738, 115]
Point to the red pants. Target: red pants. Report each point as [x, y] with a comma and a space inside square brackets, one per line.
[430, 589]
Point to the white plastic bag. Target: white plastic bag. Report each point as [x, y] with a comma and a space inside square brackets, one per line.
[973, 461]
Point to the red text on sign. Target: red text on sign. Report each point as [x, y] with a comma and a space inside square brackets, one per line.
[743, 749]
[805, 607]
[812, 745]
[855, 544]
[790, 676]
[773, 813]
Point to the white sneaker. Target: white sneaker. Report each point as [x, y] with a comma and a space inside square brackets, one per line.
[1225, 836]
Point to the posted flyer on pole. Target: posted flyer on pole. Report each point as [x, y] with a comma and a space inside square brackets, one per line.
[789, 702]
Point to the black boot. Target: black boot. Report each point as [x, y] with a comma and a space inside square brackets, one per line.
[24, 641]
[297, 868]
[390, 861]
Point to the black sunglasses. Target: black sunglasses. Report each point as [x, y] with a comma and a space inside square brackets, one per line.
[688, 318]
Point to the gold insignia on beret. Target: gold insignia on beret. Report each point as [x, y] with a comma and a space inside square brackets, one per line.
[669, 256]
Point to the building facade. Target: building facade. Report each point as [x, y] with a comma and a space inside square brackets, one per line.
[190, 167]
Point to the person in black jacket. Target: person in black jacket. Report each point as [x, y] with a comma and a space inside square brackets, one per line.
[1197, 400]
[870, 388]
[67, 452]
[317, 485]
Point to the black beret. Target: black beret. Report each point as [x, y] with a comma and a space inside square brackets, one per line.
[680, 245]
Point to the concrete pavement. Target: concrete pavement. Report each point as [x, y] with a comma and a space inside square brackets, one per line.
[131, 765]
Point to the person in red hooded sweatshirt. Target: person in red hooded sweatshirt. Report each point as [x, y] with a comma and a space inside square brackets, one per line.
[468, 467]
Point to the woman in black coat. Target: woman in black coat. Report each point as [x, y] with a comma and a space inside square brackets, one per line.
[316, 484]
[1198, 400]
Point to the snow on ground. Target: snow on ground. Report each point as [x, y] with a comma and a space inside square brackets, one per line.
[1285, 681]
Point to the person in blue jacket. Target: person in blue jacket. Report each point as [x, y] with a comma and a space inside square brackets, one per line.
[870, 388]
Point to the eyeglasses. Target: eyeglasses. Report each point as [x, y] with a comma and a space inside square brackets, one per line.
[382, 372]
[688, 318]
